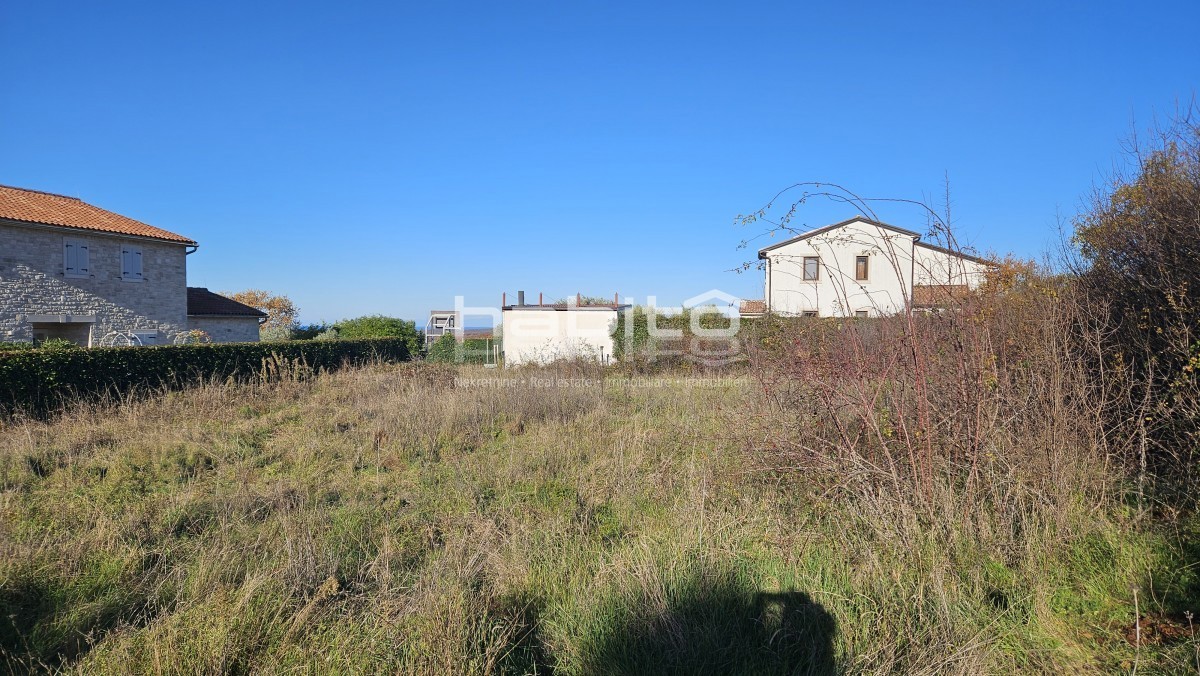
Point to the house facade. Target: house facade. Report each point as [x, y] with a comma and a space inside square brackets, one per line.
[221, 319]
[540, 334]
[442, 323]
[71, 270]
[861, 268]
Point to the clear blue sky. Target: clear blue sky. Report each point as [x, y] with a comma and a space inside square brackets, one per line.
[383, 157]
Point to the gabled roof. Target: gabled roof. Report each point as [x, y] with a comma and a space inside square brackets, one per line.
[47, 208]
[204, 303]
[752, 307]
[952, 252]
[835, 226]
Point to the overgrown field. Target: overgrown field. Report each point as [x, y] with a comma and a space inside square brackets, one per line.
[562, 521]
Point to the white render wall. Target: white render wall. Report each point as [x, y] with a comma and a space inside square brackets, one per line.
[895, 260]
[542, 335]
[33, 284]
[940, 267]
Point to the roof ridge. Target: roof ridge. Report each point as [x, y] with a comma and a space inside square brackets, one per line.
[40, 192]
[833, 226]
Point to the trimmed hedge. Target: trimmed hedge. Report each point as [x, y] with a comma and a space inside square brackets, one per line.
[445, 351]
[38, 381]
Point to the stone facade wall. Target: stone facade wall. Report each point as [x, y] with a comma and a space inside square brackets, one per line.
[227, 329]
[33, 283]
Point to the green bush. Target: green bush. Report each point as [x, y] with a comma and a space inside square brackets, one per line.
[637, 343]
[445, 351]
[11, 346]
[309, 331]
[57, 344]
[379, 326]
[38, 381]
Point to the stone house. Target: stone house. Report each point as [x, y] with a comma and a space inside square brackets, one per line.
[72, 270]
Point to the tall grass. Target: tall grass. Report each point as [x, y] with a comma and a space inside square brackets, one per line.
[430, 519]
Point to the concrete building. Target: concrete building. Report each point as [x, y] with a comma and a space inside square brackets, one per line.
[222, 319]
[74, 271]
[539, 334]
[441, 323]
[860, 267]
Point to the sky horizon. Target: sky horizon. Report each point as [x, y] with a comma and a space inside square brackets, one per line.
[376, 158]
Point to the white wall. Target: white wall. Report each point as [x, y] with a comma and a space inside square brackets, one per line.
[940, 267]
[836, 292]
[533, 335]
[895, 260]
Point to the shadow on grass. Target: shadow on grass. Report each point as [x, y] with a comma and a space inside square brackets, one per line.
[46, 623]
[715, 623]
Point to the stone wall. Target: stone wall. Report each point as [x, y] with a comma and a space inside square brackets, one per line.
[227, 329]
[34, 286]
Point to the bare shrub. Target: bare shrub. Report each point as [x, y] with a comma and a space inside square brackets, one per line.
[901, 403]
[1138, 242]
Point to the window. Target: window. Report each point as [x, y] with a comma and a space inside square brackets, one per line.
[809, 313]
[862, 313]
[860, 268]
[812, 268]
[75, 258]
[131, 263]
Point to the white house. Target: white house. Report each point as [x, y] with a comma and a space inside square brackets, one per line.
[539, 334]
[860, 268]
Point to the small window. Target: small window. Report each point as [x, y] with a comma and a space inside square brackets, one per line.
[75, 258]
[861, 313]
[809, 313]
[131, 263]
[860, 268]
[812, 268]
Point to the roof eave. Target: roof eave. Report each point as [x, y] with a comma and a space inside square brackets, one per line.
[183, 241]
[857, 219]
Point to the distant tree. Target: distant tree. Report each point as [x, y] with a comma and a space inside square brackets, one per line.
[379, 326]
[281, 311]
[584, 300]
[310, 331]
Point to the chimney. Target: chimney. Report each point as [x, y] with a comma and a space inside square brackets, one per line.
[503, 298]
[539, 298]
[521, 298]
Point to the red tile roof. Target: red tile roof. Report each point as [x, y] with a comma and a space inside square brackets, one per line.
[938, 295]
[34, 206]
[753, 307]
[201, 301]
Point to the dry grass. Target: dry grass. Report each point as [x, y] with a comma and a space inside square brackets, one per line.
[568, 521]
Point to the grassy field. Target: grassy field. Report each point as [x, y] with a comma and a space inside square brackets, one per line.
[389, 520]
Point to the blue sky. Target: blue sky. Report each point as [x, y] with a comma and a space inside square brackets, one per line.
[384, 157]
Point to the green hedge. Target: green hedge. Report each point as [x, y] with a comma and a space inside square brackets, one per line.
[38, 381]
[446, 351]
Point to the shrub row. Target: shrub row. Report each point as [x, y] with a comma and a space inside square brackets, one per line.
[447, 350]
[38, 381]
